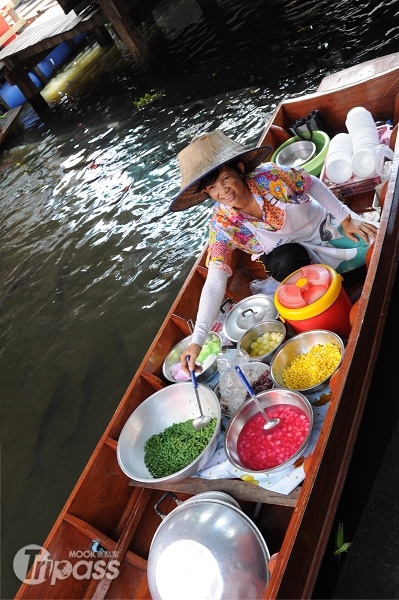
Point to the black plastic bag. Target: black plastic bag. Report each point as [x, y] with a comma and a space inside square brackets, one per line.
[304, 128]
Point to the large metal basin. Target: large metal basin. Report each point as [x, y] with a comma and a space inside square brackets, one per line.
[207, 549]
[174, 404]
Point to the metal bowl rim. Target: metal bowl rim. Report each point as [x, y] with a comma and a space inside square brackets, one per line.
[289, 462]
[190, 503]
[322, 384]
[200, 376]
[269, 354]
[238, 305]
[177, 475]
[297, 143]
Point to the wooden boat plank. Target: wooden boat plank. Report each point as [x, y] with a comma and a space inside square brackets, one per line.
[240, 490]
[156, 382]
[98, 588]
[358, 73]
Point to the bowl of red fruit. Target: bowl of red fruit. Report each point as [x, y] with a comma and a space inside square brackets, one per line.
[251, 448]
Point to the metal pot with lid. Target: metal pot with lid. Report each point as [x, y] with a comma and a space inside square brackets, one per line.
[248, 312]
[207, 549]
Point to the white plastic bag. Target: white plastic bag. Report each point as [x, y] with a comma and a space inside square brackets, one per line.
[264, 286]
[383, 161]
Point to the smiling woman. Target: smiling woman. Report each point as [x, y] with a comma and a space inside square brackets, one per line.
[283, 216]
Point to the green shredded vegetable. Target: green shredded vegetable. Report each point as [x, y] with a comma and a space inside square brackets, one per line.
[176, 447]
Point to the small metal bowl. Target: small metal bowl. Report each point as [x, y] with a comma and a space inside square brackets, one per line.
[268, 398]
[174, 357]
[296, 154]
[301, 344]
[250, 336]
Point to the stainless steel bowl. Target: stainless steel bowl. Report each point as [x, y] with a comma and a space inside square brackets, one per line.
[174, 404]
[244, 345]
[173, 357]
[296, 154]
[301, 344]
[214, 495]
[207, 548]
[271, 397]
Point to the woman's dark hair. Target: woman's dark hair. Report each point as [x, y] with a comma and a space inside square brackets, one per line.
[211, 177]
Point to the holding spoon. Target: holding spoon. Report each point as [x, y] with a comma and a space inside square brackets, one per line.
[269, 423]
[202, 420]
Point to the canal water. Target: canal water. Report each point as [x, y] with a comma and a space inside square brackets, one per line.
[90, 259]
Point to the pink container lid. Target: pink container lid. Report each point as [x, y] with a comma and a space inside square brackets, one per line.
[304, 287]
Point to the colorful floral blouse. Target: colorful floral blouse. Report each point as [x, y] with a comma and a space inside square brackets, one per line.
[268, 183]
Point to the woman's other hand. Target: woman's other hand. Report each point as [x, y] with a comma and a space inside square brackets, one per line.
[193, 352]
[356, 228]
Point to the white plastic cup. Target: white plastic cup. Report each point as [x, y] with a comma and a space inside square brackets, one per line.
[341, 142]
[338, 167]
[357, 110]
[363, 162]
[358, 117]
[362, 128]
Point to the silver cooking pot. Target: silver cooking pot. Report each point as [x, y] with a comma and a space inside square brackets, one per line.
[207, 548]
[247, 313]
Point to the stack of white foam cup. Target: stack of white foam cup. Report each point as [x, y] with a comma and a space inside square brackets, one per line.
[339, 158]
[363, 131]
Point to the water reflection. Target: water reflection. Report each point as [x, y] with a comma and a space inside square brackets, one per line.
[90, 259]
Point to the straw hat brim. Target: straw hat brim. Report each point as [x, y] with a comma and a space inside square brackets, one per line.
[190, 195]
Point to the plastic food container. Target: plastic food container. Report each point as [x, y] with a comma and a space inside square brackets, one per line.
[315, 164]
[313, 298]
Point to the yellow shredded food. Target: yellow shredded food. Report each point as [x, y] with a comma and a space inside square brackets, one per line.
[313, 367]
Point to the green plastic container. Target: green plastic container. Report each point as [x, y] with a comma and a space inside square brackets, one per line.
[315, 165]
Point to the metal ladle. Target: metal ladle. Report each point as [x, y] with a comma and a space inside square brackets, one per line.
[202, 420]
[269, 423]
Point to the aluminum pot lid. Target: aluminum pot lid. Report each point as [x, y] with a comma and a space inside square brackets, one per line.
[207, 549]
[247, 313]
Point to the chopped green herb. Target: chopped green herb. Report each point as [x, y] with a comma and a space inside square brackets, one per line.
[176, 447]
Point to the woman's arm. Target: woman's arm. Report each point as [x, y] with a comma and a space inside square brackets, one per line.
[324, 196]
[212, 297]
[352, 227]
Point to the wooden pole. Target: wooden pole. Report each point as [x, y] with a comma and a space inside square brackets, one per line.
[18, 76]
[117, 14]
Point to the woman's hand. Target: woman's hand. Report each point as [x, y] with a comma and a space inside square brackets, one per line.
[356, 228]
[193, 352]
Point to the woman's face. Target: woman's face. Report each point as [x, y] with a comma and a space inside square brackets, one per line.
[229, 187]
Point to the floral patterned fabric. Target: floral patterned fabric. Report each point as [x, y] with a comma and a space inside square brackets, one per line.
[269, 184]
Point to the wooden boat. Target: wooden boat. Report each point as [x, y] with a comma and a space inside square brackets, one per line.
[105, 507]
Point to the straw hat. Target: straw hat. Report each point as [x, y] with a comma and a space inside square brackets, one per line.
[205, 154]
